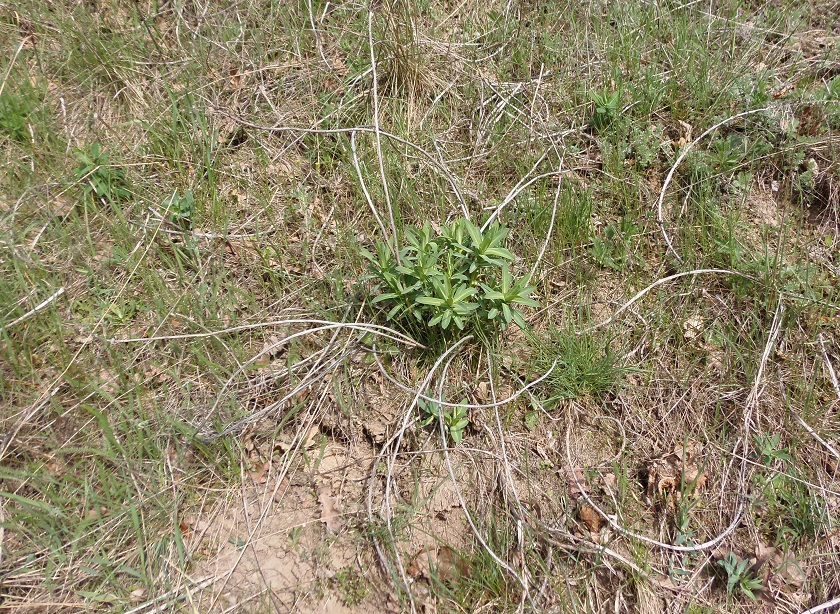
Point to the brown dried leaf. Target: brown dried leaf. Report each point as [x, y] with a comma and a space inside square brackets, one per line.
[443, 562]
[788, 569]
[590, 518]
[330, 510]
[260, 472]
[610, 483]
[235, 80]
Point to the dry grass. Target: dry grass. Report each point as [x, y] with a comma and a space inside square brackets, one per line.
[203, 411]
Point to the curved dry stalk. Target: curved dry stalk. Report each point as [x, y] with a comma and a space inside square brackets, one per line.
[521, 579]
[520, 185]
[659, 282]
[751, 403]
[659, 215]
[39, 307]
[447, 174]
[376, 329]
[814, 434]
[376, 133]
[829, 366]
[395, 442]
[550, 225]
[418, 392]
[823, 606]
[273, 347]
[364, 186]
[298, 442]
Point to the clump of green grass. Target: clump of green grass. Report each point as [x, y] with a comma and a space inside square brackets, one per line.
[586, 364]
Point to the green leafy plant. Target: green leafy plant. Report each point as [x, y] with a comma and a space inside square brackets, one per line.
[100, 180]
[455, 419]
[181, 209]
[457, 279]
[769, 450]
[14, 114]
[739, 577]
[607, 108]
[614, 249]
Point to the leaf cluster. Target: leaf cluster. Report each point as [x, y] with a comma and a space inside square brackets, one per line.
[739, 576]
[181, 209]
[100, 180]
[452, 280]
[455, 419]
[607, 108]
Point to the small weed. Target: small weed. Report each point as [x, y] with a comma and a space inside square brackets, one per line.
[455, 419]
[739, 578]
[607, 108]
[100, 181]
[15, 111]
[585, 364]
[351, 586]
[769, 450]
[459, 276]
[181, 209]
[614, 250]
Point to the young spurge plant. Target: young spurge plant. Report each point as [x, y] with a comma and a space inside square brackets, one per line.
[457, 279]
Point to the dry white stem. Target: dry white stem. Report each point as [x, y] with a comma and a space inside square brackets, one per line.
[39, 307]
[550, 225]
[659, 282]
[315, 34]
[383, 331]
[370, 129]
[378, 140]
[153, 606]
[20, 46]
[828, 365]
[814, 434]
[659, 215]
[364, 187]
[520, 185]
[394, 444]
[751, 403]
[442, 430]
[418, 391]
[823, 606]
[318, 237]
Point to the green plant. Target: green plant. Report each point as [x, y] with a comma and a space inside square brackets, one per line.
[15, 110]
[614, 250]
[585, 364]
[739, 577]
[607, 108]
[180, 209]
[351, 586]
[100, 180]
[769, 450]
[455, 419]
[457, 279]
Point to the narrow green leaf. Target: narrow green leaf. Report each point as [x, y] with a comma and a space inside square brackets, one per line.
[32, 503]
[430, 300]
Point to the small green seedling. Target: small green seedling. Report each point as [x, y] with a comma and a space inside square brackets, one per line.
[739, 578]
[607, 108]
[769, 450]
[181, 209]
[457, 279]
[100, 181]
[614, 250]
[455, 419]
